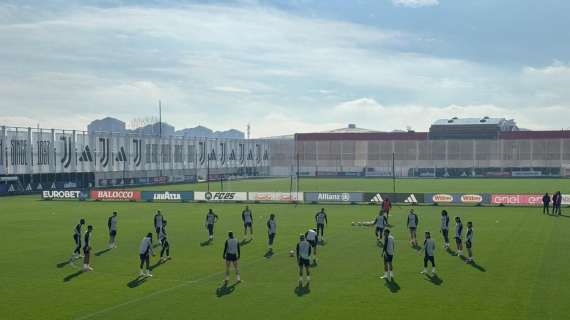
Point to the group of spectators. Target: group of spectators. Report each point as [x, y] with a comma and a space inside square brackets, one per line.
[556, 200]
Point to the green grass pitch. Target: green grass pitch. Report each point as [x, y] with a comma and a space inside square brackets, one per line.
[522, 256]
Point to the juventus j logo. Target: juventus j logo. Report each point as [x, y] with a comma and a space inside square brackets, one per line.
[121, 155]
[232, 155]
[257, 153]
[265, 155]
[138, 151]
[241, 153]
[86, 155]
[66, 160]
[104, 160]
[212, 155]
[202, 147]
[223, 152]
[250, 155]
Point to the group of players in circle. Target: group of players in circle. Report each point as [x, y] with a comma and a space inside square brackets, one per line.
[386, 241]
[306, 249]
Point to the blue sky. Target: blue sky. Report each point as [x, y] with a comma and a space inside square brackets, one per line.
[285, 65]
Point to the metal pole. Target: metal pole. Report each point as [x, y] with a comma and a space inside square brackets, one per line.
[298, 172]
[208, 172]
[394, 171]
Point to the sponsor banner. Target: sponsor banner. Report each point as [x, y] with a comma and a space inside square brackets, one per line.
[526, 173]
[65, 194]
[466, 198]
[167, 195]
[378, 174]
[408, 198]
[115, 195]
[275, 196]
[220, 196]
[334, 196]
[517, 199]
[566, 199]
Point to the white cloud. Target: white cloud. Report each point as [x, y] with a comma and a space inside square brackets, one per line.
[231, 89]
[415, 3]
[370, 114]
[225, 66]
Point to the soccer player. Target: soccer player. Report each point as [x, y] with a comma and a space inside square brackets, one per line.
[304, 259]
[380, 222]
[87, 249]
[271, 230]
[313, 238]
[546, 204]
[386, 207]
[145, 251]
[158, 219]
[164, 243]
[321, 218]
[429, 250]
[559, 203]
[231, 255]
[211, 218]
[77, 239]
[388, 254]
[469, 242]
[445, 228]
[112, 225]
[247, 218]
[413, 222]
[459, 235]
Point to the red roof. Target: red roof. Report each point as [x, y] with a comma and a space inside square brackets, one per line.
[322, 136]
[559, 134]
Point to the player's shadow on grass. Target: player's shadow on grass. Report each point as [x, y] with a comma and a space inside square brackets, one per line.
[417, 247]
[450, 252]
[435, 279]
[206, 243]
[136, 282]
[302, 290]
[268, 254]
[393, 286]
[157, 264]
[245, 242]
[474, 264]
[102, 252]
[224, 290]
[63, 263]
[73, 276]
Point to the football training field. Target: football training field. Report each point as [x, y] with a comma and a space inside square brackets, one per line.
[522, 268]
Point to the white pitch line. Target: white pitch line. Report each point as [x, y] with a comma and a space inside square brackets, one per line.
[184, 284]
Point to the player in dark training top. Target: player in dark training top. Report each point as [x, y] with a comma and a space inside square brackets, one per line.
[429, 253]
[303, 253]
[321, 219]
[459, 236]
[158, 218]
[388, 255]
[247, 218]
[145, 250]
[381, 222]
[271, 231]
[469, 242]
[445, 228]
[87, 249]
[165, 251]
[231, 256]
[112, 225]
[211, 218]
[77, 239]
[412, 223]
